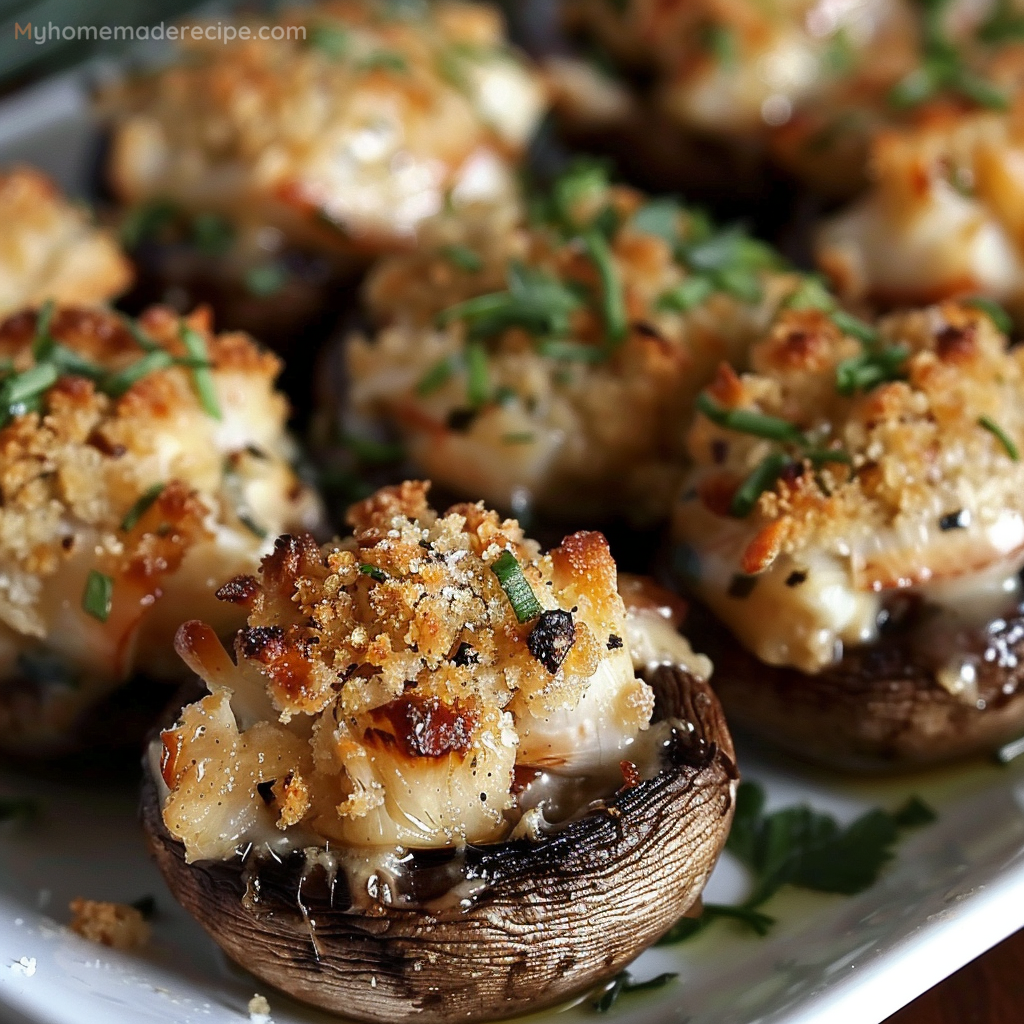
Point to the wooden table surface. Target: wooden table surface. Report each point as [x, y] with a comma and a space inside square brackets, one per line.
[989, 990]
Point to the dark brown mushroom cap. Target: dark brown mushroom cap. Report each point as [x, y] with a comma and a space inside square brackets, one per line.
[552, 919]
[880, 708]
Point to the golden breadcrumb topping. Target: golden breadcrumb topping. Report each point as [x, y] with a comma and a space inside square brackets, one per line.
[944, 213]
[343, 135]
[543, 361]
[390, 687]
[50, 249]
[884, 462]
[137, 461]
[109, 924]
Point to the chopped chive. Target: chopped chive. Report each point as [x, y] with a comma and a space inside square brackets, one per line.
[141, 507]
[258, 531]
[142, 339]
[462, 257]
[98, 596]
[612, 298]
[147, 220]
[854, 326]
[266, 280]
[739, 282]
[810, 293]
[332, 39]
[869, 369]
[992, 310]
[993, 428]
[478, 385]
[760, 480]
[516, 586]
[659, 217]
[43, 341]
[212, 234]
[475, 308]
[745, 421]
[371, 452]
[373, 572]
[570, 351]
[384, 60]
[202, 378]
[822, 456]
[685, 296]
[117, 384]
[720, 42]
[19, 393]
[438, 375]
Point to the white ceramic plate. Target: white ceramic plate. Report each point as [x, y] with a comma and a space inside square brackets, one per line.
[954, 889]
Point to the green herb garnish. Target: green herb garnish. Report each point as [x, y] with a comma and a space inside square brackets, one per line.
[1004, 25]
[265, 280]
[385, 60]
[438, 375]
[371, 452]
[687, 295]
[613, 304]
[43, 342]
[942, 70]
[21, 392]
[146, 220]
[117, 384]
[202, 378]
[373, 572]
[212, 234]
[745, 421]
[98, 596]
[516, 586]
[462, 257]
[331, 38]
[720, 42]
[660, 217]
[869, 369]
[141, 506]
[478, 385]
[992, 310]
[686, 927]
[993, 428]
[763, 477]
[607, 995]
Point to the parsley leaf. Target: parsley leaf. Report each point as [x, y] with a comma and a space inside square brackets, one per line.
[606, 995]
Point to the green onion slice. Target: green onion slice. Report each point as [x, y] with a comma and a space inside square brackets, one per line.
[195, 345]
[373, 572]
[612, 299]
[745, 421]
[1004, 439]
[516, 586]
[43, 342]
[141, 506]
[98, 596]
[117, 384]
[767, 471]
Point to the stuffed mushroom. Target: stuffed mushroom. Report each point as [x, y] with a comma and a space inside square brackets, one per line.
[431, 782]
[257, 171]
[49, 247]
[540, 360]
[139, 463]
[944, 214]
[855, 530]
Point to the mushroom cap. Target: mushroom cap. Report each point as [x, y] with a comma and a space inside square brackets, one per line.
[880, 709]
[550, 919]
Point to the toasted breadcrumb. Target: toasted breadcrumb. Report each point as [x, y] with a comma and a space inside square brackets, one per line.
[587, 424]
[147, 488]
[342, 136]
[50, 249]
[387, 689]
[110, 924]
[259, 1010]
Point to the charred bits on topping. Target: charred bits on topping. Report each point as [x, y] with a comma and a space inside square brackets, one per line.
[742, 586]
[614, 642]
[551, 638]
[465, 655]
[796, 577]
[958, 520]
[426, 727]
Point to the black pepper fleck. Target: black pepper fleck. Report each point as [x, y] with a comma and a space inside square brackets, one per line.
[795, 578]
[958, 520]
[614, 642]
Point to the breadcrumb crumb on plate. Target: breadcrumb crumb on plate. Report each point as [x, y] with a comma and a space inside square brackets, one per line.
[109, 924]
